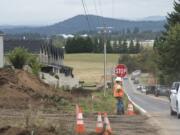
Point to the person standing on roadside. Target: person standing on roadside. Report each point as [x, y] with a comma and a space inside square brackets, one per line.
[118, 93]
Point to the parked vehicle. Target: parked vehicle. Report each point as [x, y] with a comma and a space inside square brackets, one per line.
[161, 90]
[133, 77]
[175, 99]
[150, 89]
[139, 87]
[135, 74]
[144, 89]
[136, 81]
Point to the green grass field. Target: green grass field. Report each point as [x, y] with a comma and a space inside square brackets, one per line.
[90, 67]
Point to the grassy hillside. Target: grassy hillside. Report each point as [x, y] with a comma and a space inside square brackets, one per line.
[90, 67]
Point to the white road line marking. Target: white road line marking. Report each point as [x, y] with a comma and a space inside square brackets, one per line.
[143, 111]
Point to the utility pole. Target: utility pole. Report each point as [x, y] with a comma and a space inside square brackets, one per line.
[105, 31]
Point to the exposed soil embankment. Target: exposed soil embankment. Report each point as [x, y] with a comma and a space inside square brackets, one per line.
[19, 89]
[8, 130]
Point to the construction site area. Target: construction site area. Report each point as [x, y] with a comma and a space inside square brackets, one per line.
[89, 67]
[30, 107]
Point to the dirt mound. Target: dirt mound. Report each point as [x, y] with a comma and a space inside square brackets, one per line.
[30, 81]
[19, 88]
[7, 76]
[19, 131]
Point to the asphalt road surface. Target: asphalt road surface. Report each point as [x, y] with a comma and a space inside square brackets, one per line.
[157, 108]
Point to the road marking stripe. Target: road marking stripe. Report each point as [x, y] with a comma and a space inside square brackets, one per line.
[143, 111]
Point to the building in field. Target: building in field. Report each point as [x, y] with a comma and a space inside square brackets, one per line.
[53, 71]
[1, 50]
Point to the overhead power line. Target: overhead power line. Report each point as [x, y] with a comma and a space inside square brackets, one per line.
[86, 15]
[113, 9]
[96, 11]
[101, 13]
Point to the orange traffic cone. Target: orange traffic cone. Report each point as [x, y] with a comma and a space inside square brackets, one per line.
[99, 124]
[130, 109]
[80, 128]
[107, 128]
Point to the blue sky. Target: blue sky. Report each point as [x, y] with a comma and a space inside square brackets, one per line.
[45, 12]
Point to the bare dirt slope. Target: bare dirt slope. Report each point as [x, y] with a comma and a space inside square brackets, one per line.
[18, 89]
[19, 131]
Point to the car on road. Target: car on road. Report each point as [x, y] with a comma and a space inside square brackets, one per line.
[132, 77]
[161, 90]
[175, 99]
[150, 89]
[136, 81]
[143, 89]
[135, 74]
[139, 87]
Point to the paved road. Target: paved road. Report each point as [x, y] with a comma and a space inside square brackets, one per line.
[157, 108]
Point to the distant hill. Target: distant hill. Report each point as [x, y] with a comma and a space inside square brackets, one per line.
[154, 18]
[79, 23]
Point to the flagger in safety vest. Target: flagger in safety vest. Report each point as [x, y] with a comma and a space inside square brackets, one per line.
[118, 92]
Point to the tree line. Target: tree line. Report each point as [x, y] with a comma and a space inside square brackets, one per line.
[167, 48]
[96, 45]
[164, 60]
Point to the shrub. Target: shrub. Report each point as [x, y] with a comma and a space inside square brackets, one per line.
[18, 57]
[57, 77]
[34, 64]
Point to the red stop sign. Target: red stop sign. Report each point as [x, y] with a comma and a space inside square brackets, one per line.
[121, 70]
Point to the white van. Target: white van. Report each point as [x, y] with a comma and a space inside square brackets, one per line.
[175, 99]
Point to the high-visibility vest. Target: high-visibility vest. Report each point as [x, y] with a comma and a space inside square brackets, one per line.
[118, 91]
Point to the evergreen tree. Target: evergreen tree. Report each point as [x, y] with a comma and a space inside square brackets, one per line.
[174, 17]
[167, 48]
[95, 47]
[128, 31]
[100, 46]
[124, 47]
[120, 46]
[131, 47]
[79, 45]
[136, 30]
[137, 47]
[115, 47]
[123, 33]
[109, 47]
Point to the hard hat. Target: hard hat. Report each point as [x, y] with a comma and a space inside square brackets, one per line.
[118, 79]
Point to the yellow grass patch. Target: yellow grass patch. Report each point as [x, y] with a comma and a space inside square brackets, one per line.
[90, 67]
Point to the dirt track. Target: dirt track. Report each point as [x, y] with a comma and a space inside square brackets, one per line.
[121, 125]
